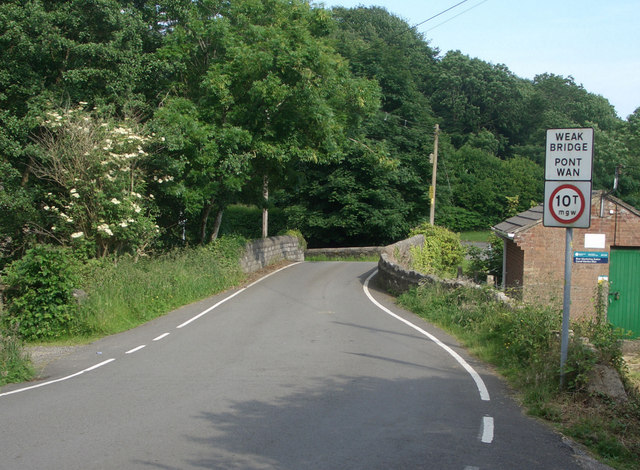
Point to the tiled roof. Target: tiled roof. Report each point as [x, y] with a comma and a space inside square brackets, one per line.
[520, 222]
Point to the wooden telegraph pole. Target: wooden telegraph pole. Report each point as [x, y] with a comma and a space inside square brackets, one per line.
[432, 189]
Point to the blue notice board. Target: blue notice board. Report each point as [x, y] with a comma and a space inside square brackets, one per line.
[591, 257]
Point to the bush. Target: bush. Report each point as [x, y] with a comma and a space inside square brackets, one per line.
[487, 261]
[39, 293]
[302, 243]
[441, 253]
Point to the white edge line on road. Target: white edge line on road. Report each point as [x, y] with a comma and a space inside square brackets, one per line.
[131, 351]
[487, 430]
[482, 388]
[162, 336]
[58, 380]
[156, 339]
[204, 312]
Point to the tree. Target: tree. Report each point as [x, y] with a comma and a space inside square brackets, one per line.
[53, 54]
[355, 202]
[472, 95]
[266, 70]
[198, 166]
[91, 169]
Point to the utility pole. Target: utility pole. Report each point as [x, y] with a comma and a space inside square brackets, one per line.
[432, 189]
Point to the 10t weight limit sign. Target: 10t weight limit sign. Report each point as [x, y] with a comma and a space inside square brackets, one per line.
[567, 186]
[567, 204]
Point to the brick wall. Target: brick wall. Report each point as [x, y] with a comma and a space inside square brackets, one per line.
[543, 271]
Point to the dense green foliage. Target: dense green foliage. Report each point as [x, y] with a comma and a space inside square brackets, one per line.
[523, 344]
[327, 115]
[39, 293]
[441, 254]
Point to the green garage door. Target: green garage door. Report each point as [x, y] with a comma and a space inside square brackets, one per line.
[624, 289]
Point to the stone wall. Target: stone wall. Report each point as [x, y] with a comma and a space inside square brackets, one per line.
[266, 251]
[395, 277]
[351, 252]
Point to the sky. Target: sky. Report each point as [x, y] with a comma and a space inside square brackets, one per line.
[595, 42]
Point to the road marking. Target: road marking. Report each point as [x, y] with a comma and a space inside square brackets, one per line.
[131, 351]
[482, 388]
[161, 336]
[156, 339]
[58, 380]
[487, 430]
[203, 313]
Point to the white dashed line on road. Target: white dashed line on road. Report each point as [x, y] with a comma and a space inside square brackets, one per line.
[131, 351]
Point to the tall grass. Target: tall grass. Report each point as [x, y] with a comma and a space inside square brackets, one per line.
[523, 343]
[123, 295]
[15, 365]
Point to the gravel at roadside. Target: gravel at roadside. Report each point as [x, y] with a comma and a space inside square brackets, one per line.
[41, 356]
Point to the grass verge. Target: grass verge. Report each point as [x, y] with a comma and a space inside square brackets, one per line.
[15, 365]
[127, 294]
[523, 344]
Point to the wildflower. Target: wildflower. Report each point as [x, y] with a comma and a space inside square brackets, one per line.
[115, 201]
[77, 234]
[74, 193]
[136, 208]
[105, 229]
[123, 224]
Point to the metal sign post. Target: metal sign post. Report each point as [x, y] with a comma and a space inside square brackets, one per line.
[567, 202]
[566, 303]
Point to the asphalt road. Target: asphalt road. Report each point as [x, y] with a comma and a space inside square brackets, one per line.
[306, 369]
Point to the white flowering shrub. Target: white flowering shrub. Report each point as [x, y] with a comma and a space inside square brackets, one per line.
[97, 186]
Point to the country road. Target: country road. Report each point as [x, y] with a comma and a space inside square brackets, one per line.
[309, 368]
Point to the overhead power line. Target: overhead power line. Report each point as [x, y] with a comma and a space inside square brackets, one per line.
[455, 16]
[441, 13]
